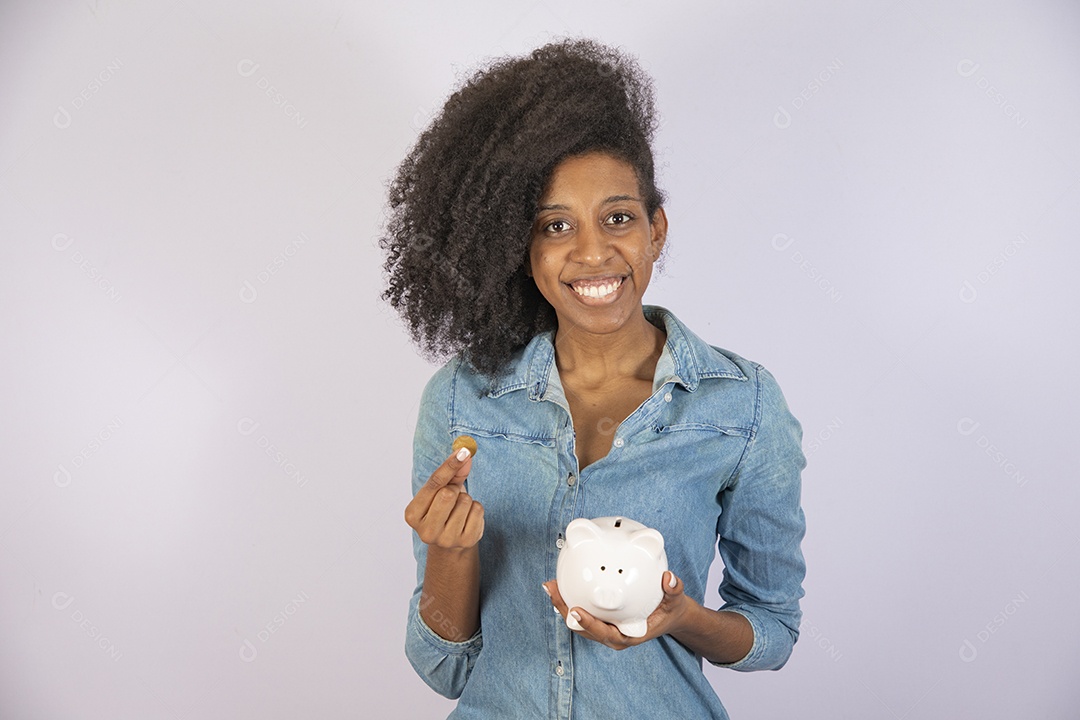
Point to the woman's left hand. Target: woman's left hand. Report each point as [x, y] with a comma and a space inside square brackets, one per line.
[667, 618]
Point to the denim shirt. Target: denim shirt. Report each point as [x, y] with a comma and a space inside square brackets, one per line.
[712, 459]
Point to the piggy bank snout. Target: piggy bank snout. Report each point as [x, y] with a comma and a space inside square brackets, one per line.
[608, 598]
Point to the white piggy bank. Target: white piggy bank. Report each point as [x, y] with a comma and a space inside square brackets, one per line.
[612, 568]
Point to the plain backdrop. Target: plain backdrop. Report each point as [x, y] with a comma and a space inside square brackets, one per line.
[206, 412]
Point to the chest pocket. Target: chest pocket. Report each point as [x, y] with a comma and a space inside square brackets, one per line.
[728, 413]
[511, 416]
[706, 436]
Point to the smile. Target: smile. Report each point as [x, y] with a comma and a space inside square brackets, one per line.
[598, 288]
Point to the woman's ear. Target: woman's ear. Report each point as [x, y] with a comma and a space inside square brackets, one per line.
[659, 227]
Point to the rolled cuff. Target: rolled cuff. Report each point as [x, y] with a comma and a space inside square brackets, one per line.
[443, 664]
[773, 642]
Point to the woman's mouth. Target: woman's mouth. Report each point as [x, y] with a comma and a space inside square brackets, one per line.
[597, 288]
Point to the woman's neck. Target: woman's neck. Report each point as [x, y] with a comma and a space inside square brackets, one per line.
[593, 360]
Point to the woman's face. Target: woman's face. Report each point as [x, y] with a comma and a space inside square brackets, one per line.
[593, 245]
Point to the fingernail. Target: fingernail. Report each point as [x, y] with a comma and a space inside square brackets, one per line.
[546, 590]
[462, 454]
[574, 614]
[672, 582]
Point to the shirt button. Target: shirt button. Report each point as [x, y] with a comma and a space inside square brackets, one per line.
[559, 543]
[667, 398]
[559, 670]
[571, 480]
[618, 442]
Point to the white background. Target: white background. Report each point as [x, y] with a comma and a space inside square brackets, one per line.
[207, 412]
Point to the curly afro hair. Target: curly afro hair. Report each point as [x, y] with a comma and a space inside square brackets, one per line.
[464, 200]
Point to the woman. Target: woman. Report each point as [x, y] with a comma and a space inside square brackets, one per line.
[524, 227]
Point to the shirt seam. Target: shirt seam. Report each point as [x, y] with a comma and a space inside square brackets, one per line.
[754, 426]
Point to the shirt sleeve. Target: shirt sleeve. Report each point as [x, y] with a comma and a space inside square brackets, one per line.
[760, 530]
[444, 665]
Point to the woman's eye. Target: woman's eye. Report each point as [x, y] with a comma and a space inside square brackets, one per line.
[556, 226]
[619, 218]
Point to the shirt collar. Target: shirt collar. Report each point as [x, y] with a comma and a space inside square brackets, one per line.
[686, 360]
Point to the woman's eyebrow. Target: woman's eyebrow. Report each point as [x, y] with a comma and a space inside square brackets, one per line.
[613, 198]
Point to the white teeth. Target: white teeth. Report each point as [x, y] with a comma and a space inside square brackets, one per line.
[598, 291]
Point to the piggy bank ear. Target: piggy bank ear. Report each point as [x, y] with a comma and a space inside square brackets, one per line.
[649, 540]
[580, 531]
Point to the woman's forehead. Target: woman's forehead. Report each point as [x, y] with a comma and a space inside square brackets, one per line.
[596, 173]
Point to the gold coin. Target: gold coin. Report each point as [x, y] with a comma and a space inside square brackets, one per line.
[464, 441]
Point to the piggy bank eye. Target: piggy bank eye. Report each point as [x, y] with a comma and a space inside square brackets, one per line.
[601, 567]
[620, 571]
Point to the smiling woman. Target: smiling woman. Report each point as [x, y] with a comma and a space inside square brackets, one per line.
[582, 402]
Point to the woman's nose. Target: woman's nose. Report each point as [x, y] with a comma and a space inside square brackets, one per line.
[592, 247]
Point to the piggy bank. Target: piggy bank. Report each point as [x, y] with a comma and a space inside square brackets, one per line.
[612, 568]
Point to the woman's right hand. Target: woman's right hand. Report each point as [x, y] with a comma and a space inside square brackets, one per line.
[442, 513]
